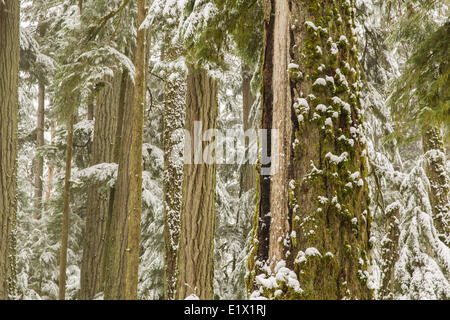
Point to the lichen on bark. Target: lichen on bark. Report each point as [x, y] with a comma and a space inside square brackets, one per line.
[328, 213]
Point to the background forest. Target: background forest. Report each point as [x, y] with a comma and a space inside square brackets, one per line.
[96, 203]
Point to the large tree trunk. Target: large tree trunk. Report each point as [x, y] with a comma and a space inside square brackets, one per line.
[117, 224]
[248, 173]
[433, 148]
[195, 255]
[126, 197]
[313, 211]
[66, 208]
[91, 281]
[174, 115]
[134, 201]
[39, 161]
[9, 64]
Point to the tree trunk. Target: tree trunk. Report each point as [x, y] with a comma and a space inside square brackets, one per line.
[51, 167]
[390, 251]
[248, 172]
[134, 201]
[66, 208]
[173, 117]
[433, 148]
[281, 121]
[39, 161]
[9, 64]
[195, 255]
[313, 211]
[117, 229]
[98, 198]
[90, 111]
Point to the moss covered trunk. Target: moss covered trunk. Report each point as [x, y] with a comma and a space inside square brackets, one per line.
[390, 251]
[174, 114]
[433, 148]
[319, 216]
[98, 195]
[195, 251]
[9, 64]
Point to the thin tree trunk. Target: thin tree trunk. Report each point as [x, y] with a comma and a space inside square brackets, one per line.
[91, 280]
[51, 168]
[433, 148]
[195, 255]
[39, 161]
[248, 172]
[66, 208]
[390, 251]
[134, 201]
[173, 118]
[73, 118]
[90, 111]
[9, 64]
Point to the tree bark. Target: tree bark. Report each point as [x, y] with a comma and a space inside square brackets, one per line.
[134, 201]
[173, 118]
[51, 167]
[435, 168]
[248, 171]
[313, 213]
[390, 251]
[281, 121]
[117, 224]
[66, 208]
[91, 280]
[195, 253]
[39, 161]
[9, 64]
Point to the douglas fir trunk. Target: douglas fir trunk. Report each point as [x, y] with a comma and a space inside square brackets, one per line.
[195, 255]
[117, 229]
[134, 201]
[9, 64]
[98, 195]
[312, 225]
